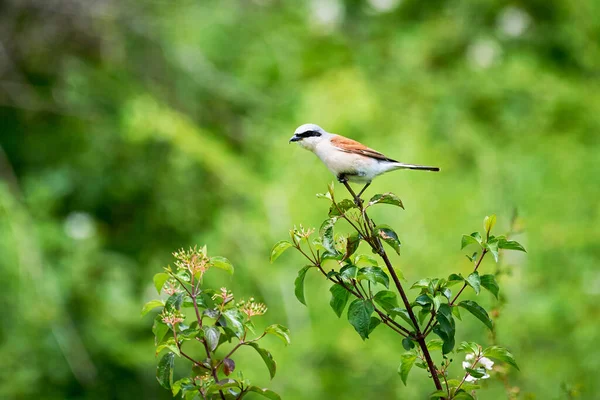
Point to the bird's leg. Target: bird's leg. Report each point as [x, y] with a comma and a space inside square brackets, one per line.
[357, 199]
[363, 189]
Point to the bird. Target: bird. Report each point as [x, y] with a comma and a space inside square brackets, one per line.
[347, 159]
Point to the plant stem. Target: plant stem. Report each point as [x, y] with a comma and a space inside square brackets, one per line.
[377, 246]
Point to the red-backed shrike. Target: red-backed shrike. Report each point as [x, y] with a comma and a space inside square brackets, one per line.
[349, 160]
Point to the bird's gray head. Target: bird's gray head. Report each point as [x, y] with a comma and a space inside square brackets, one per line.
[309, 135]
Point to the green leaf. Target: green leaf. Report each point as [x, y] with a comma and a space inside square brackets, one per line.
[359, 316]
[477, 311]
[502, 354]
[269, 394]
[361, 259]
[456, 312]
[403, 314]
[151, 305]
[352, 243]
[235, 321]
[476, 373]
[222, 263]
[339, 298]
[324, 196]
[387, 300]
[488, 223]
[462, 395]
[174, 301]
[466, 240]
[211, 335]
[510, 245]
[349, 272]
[408, 344]
[438, 394]
[435, 344]
[474, 281]
[223, 384]
[386, 198]
[423, 283]
[280, 331]
[279, 248]
[374, 323]
[489, 282]
[407, 360]
[424, 300]
[445, 328]
[159, 329]
[299, 284]
[164, 370]
[267, 358]
[492, 246]
[468, 347]
[388, 235]
[159, 280]
[453, 279]
[168, 344]
[326, 233]
[374, 275]
[341, 208]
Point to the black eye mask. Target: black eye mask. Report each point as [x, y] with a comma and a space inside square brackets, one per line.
[308, 134]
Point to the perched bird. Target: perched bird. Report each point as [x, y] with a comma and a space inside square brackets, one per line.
[349, 160]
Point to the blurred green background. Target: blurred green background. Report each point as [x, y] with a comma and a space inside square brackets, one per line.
[132, 128]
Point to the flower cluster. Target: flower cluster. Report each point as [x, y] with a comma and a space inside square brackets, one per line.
[224, 296]
[171, 287]
[251, 308]
[172, 317]
[193, 260]
[471, 362]
[302, 233]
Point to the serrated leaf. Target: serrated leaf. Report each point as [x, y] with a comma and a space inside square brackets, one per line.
[407, 360]
[279, 248]
[359, 316]
[489, 282]
[473, 238]
[388, 235]
[510, 245]
[339, 299]
[386, 198]
[164, 370]
[159, 280]
[211, 335]
[222, 263]
[267, 358]
[341, 208]
[474, 281]
[387, 300]
[374, 275]
[502, 354]
[299, 284]
[280, 331]
[151, 305]
[489, 222]
[477, 311]
[268, 393]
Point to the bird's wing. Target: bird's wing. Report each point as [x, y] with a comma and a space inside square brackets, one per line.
[352, 146]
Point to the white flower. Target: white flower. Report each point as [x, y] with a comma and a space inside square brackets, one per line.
[469, 356]
[466, 364]
[487, 363]
[470, 378]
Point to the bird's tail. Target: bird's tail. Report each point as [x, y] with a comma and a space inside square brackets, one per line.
[414, 166]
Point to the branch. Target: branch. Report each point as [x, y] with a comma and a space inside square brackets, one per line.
[377, 246]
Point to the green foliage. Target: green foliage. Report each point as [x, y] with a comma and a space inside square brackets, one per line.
[217, 320]
[434, 308]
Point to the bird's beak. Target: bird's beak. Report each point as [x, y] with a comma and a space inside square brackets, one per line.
[295, 139]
